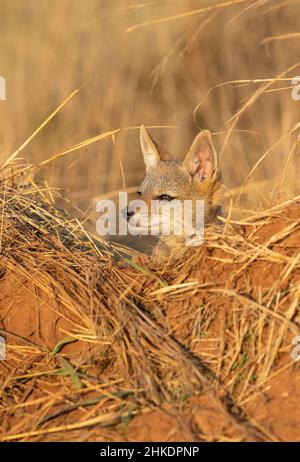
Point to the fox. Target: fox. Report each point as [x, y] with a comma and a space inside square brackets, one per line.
[196, 178]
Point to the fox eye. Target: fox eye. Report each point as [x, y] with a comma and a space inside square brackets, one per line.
[165, 197]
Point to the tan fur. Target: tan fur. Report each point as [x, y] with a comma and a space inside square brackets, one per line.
[197, 177]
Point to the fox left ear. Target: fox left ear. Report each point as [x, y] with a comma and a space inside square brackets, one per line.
[201, 160]
[149, 149]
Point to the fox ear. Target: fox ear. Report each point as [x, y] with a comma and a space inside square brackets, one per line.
[149, 149]
[201, 160]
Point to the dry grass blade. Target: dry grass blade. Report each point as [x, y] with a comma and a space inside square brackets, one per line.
[186, 14]
[43, 125]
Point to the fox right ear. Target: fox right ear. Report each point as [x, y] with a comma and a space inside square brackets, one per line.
[149, 149]
[201, 160]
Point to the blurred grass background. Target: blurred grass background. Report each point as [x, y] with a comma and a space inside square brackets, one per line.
[152, 62]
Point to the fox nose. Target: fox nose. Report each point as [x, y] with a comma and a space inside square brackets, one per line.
[129, 213]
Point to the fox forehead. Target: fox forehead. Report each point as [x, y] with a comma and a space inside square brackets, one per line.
[167, 178]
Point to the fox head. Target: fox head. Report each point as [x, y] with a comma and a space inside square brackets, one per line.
[168, 181]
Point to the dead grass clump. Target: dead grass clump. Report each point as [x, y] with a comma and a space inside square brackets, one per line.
[99, 349]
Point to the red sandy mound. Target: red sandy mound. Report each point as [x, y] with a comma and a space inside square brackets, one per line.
[199, 350]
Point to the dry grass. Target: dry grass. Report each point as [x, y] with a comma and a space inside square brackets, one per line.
[207, 64]
[99, 346]
[94, 341]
